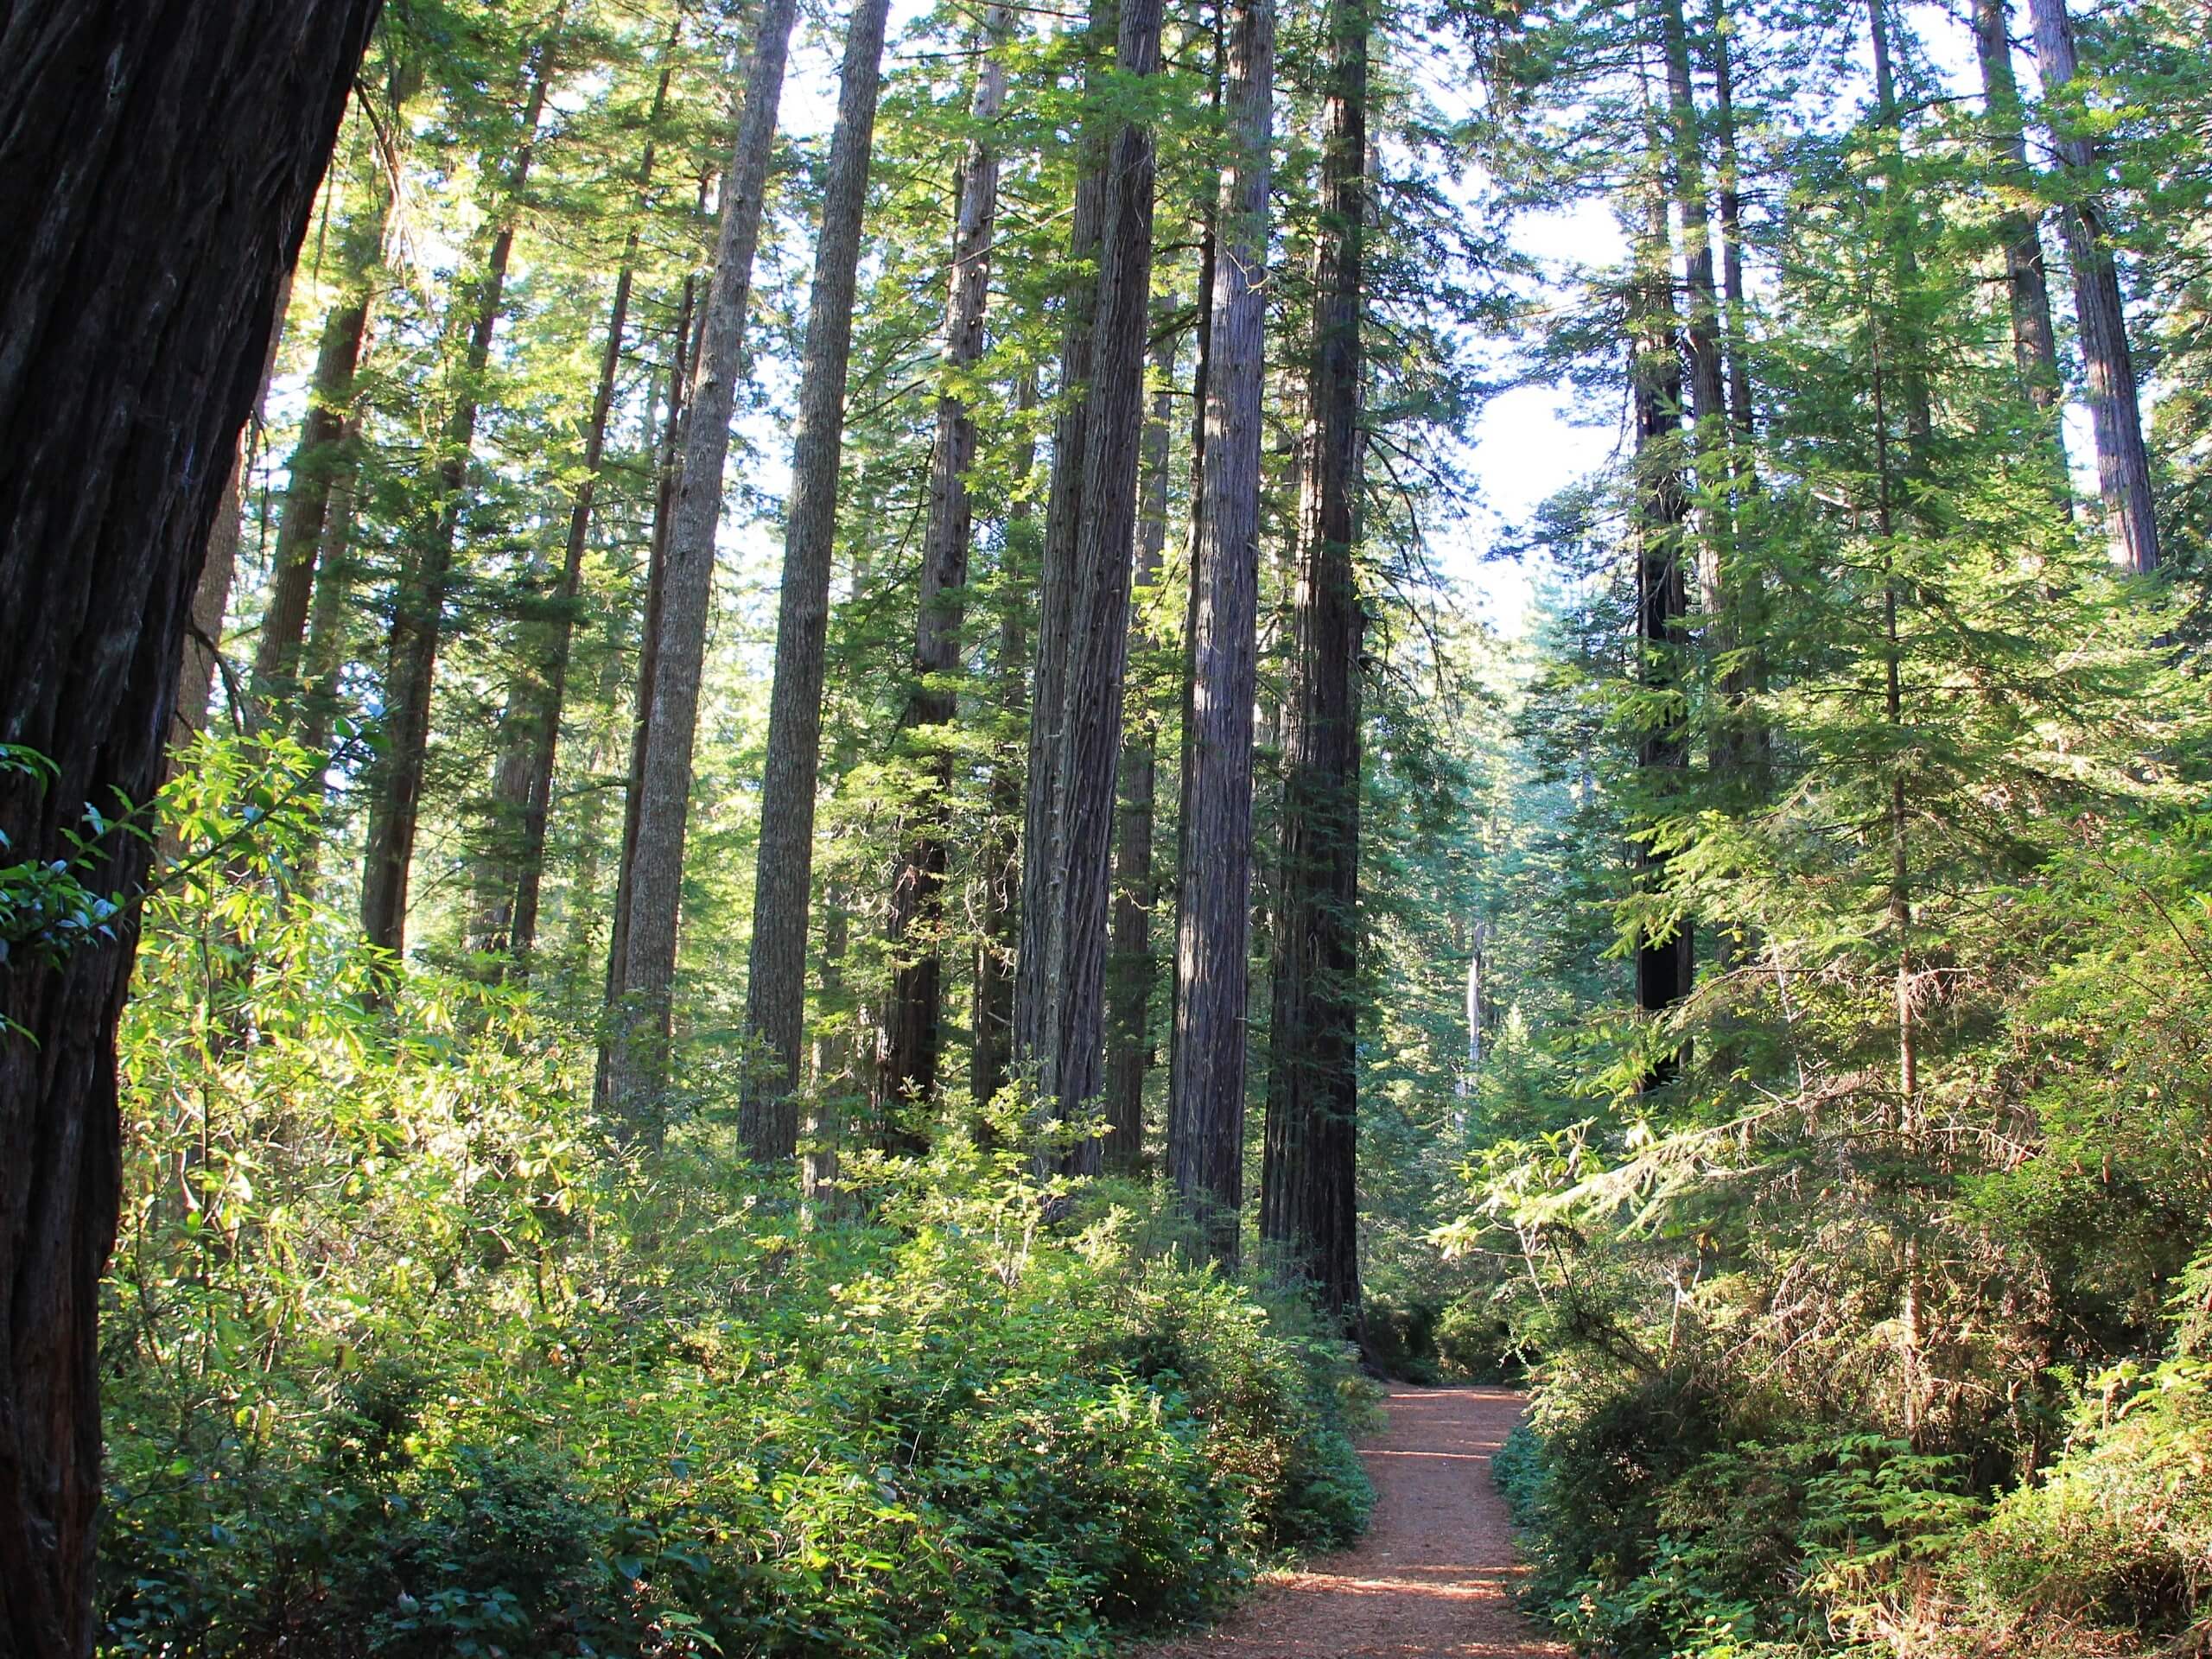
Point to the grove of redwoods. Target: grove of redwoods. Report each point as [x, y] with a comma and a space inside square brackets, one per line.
[844, 902]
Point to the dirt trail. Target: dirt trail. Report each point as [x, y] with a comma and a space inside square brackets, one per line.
[1434, 1577]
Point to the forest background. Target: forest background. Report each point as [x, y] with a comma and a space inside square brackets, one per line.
[702, 1074]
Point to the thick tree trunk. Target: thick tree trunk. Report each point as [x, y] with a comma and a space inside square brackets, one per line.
[419, 602]
[1071, 1033]
[1309, 1208]
[1206, 1104]
[1131, 965]
[522, 789]
[320, 456]
[158, 161]
[998, 860]
[1032, 993]
[1708, 404]
[1664, 966]
[2115, 413]
[775, 989]
[637, 1058]
[911, 1035]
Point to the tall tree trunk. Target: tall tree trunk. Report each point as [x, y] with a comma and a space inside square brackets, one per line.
[325, 651]
[1070, 1042]
[1132, 968]
[2035, 341]
[157, 163]
[775, 989]
[2115, 414]
[211, 599]
[419, 602]
[522, 789]
[666, 471]
[1309, 1207]
[991, 1055]
[1901, 233]
[911, 1035]
[1056, 572]
[637, 1058]
[1664, 966]
[1709, 404]
[1735, 317]
[321, 453]
[1206, 1104]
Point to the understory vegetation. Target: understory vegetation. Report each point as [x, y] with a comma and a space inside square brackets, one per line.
[403, 1358]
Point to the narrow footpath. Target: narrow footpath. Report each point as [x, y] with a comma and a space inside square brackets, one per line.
[1432, 1578]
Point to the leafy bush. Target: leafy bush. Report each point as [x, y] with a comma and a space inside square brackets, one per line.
[405, 1360]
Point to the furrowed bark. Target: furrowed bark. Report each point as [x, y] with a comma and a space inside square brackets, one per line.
[157, 163]
[1205, 1109]
[1309, 1211]
[2035, 340]
[636, 1057]
[1086, 758]
[775, 991]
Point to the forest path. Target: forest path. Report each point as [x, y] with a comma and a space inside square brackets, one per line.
[1434, 1577]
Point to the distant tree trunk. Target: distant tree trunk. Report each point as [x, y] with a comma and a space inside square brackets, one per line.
[2115, 415]
[667, 470]
[1056, 576]
[334, 586]
[637, 1058]
[419, 602]
[2035, 340]
[1664, 967]
[910, 1036]
[211, 599]
[320, 456]
[1071, 1043]
[991, 1056]
[775, 989]
[1205, 1102]
[522, 790]
[1909, 339]
[1132, 968]
[1309, 1207]
[1709, 404]
[157, 163]
[1735, 319]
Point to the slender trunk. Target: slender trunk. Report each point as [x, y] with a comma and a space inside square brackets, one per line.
[211, 599]
[1206, 1107]
[321, 453]
[419, 603]
[1708, 404]
[1032, 991]
[522, 789]
[1131, 966]
[1664, 966]
[991, 1056]
[637, 1058]
[1735, 317]
[325, 653]
[1072, 1040]
[775, 989]
[1308, 1183]
[157, 164]
[912, 1034]
[2035, 340]
[667, 470]
[2115, 413]
[1902, 234]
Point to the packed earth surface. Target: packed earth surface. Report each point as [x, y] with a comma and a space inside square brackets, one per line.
[1436, 1571]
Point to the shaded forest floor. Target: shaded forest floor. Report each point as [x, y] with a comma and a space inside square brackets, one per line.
[1435, 1574]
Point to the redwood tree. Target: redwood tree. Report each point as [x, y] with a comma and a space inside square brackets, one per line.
[157, 160]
